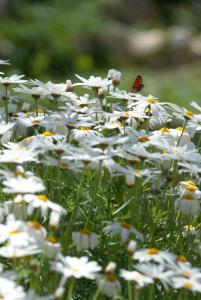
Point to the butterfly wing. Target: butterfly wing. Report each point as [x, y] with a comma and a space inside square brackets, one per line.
[137, 84]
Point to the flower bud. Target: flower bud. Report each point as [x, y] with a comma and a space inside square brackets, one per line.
[59, 293]
[132, 246]
[110, 267]
[130, 179]
[69, 87]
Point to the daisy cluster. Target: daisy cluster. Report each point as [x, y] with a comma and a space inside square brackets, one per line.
[94, 180]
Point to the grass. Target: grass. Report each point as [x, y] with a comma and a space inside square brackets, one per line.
[99, 194]
[180, 85]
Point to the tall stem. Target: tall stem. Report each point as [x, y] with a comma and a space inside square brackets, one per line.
[6, 103]
[136, 294]
[184, 127]
[95, 187]
[70, 290]
[73, 215]
[95, 297]
[36, 106]
[151, 292]
[130, 292]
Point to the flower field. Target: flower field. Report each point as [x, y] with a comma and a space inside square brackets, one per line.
[100, 191]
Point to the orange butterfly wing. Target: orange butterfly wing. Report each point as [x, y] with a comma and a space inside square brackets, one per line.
[137, 84]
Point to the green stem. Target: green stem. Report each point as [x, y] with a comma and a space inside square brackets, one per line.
[184, 127]
[73, 215]
[96, 186]
[59, 185]
[130, 291]
[95, 297]
[36, 106]
[182, 295]
[6, 103]
[136, 295]
[135, 203]
[129, 284]
[70, 290]
[151, 292]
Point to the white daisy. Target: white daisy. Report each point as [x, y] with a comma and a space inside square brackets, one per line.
[109, 285]
[157, 272]
[4, 62]
[153, 254]
[9, 290]
[187, 283]
[51, 248]
[137, 277]
[124, 229]
[85, 239]
[76, 267]
[19, 252]
[115, 76]
[41, 201]
[93, 82]
[53, 90]
[23, 185]
[14, 79]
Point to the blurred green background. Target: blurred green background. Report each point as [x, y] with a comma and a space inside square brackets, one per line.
[54, 39]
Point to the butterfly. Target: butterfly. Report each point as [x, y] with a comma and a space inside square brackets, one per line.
[137, 84]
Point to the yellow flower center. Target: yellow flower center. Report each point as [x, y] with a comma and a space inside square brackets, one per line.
[118, 124]
[143, 139]
[35, 224]
[47, 133]
[28, 113]
[126, 225]
[164, 130]
[188, 285]
[190, 182]
[189, 227]
[20, 174]
[27, 139]
[86, 231]
[111, 277]
[74, 269]
[52, 240]
[189, 114]
[165, 151]
[181, 258]
[151, 100]
[125, 115]
[42, 197]
[21, 147]
[180, 129]
[190, 188]
[85, 128]
[188, 197]
[14, 231]
[152, 251]
[35, 122]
